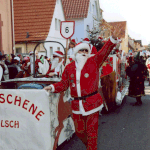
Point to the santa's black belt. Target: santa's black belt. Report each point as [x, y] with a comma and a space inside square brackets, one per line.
[84, 97]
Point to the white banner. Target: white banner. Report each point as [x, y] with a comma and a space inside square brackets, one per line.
[24, 120]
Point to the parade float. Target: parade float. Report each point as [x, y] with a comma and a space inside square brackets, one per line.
[32, 118]
[112, 73]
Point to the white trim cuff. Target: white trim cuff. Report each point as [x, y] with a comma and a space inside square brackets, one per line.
[113, 40]
[53, 88]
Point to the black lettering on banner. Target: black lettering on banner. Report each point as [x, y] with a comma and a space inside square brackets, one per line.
[67, 29]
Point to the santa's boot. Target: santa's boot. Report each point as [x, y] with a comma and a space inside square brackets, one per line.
[138, 101]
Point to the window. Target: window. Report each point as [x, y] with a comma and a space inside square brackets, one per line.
[92, 8]
[59, 21]
[51, 53]
[58, 48]
[19, 50]
[95, 3]
[96, 10]
[87, 28]
[51, 50]
[56, 26]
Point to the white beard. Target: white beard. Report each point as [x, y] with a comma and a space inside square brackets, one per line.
[81, 60]
[28, 64]
[31, 59]
[54, 63]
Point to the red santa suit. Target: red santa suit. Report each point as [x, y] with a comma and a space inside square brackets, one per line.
[26, 67]
[70, 51]
[60, 66]
[84, 90]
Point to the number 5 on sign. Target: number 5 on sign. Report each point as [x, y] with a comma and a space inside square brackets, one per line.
[67, 29]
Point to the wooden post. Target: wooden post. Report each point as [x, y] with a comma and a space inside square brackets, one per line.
[1, 24]
[66, 51]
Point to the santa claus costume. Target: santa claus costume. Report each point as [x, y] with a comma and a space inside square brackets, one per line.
[71, 49]
[26, 67]
[56, 67]
[83, 80]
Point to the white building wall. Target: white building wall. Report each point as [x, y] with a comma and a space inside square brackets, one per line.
[92, 13]
[79, 29]
[54, 35]
[81, 24]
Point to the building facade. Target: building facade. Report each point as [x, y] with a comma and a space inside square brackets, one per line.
[6, 26]
[38, 21]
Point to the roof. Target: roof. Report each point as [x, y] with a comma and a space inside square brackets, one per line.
[75, 8]
[101, 10]
[107, 25]
[139, 41]
[131, 43]
[34, 17]
[122, 24]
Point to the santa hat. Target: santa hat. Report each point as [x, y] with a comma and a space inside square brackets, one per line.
[117, 50]
[100, 38]
[26, 58]
[17, 58]
[86, 40]
[31, 52]
[80, 46]
[130, 54]
[58, 53]
[73, 42]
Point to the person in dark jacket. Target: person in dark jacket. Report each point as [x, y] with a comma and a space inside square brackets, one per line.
[137, 71]
[7, 62]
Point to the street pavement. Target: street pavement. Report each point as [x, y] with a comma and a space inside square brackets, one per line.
[126, 128]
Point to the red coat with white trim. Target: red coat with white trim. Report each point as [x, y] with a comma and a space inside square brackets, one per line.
[89, 80]
[53, 70]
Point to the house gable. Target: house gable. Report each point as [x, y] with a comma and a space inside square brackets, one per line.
[58, 16]
[123, 26]
[54, 31]
[84, 13]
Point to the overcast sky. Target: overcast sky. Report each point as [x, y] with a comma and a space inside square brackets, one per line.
[135, 12]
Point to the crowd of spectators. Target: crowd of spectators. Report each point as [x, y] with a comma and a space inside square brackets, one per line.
[18, 66]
